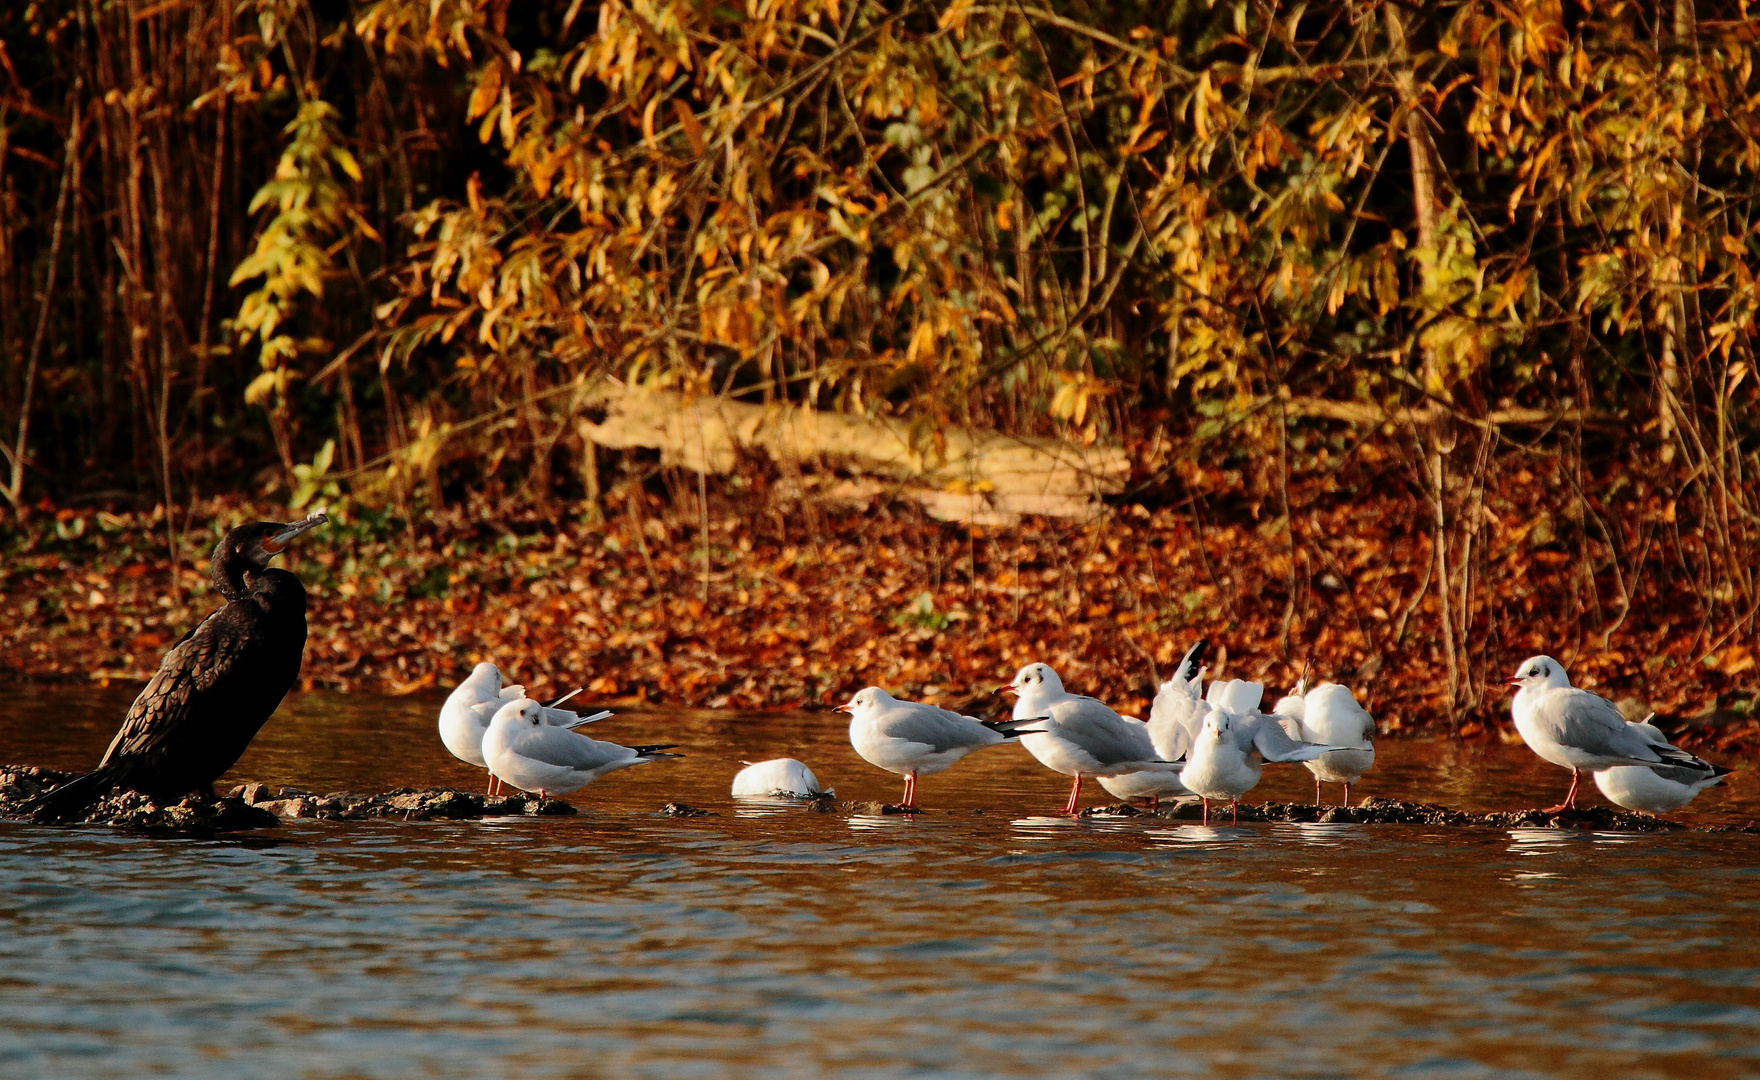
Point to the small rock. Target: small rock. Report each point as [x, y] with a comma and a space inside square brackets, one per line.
[678, 809]
[285, 808]
[254, 793]
[1113, 810]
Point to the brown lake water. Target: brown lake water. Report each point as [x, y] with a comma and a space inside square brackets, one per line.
[984, 939]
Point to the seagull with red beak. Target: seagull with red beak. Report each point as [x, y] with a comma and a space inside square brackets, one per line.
[913, 739]
[1080, 737]
[1577, 730]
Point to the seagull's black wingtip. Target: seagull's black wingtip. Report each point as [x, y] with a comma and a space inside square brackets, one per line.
[1194, 659]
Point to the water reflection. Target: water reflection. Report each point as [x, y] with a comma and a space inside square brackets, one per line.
[881, 822]
[759, 806]
[1043, 827]
[974, 941]
[1201, 834]
[1316, 834]
[1544, 841]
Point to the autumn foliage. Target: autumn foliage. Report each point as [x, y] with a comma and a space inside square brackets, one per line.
[1421, 299]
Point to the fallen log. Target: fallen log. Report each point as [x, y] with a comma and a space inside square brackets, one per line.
[957, 474]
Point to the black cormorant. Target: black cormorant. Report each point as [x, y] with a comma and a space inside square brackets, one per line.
[216, 687]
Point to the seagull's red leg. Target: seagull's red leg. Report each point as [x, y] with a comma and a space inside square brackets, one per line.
[910, 791]
[1570, 797]
[1347, 794]
[1235, 811]
[1155, 802]
[1206, 801]
[1317, 789]
[1075, 796]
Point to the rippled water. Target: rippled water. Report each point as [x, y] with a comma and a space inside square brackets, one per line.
[984, 939]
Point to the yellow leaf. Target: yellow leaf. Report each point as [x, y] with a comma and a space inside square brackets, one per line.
[260, 388]
[488, 89]
[347, 162]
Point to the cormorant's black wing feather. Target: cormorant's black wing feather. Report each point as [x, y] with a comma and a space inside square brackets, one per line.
[220, 648]
[206, 654]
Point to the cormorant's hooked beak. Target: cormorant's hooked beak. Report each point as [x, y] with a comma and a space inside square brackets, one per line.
[277, 543]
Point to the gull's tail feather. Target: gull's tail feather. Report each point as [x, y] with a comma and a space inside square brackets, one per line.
[652, 753]
[70, 799]
[1674, 755]
[1008, 729]
[582, 721]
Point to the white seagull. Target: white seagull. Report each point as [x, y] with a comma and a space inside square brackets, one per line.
[1578, 730]
[1655, 789]
[472, 704]
[913, 739]
[1175, 719]
[530, 754]
[1229, 754]
[1329, 713]
[782, 777]
[1178, 712]
[1153, 786]
[1080, 736]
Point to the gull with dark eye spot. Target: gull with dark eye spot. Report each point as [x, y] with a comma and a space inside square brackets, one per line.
[1578, 730]
[1081, 736]
[913, 739]
[1237, 740]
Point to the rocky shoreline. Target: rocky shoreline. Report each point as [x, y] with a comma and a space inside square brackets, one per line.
[264, 806]
[1379, 811]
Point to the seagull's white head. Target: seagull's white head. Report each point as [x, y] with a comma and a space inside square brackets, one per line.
[519, 711]
[1216, 724]
[486, 674]
[1539, 673]
[865, 700]
[1035, 678]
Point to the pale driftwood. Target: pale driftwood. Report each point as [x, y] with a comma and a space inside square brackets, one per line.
[1368, 412]
[982, 477]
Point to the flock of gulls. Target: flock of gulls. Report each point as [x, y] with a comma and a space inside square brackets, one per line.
[1207, 745]
[217, 686]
